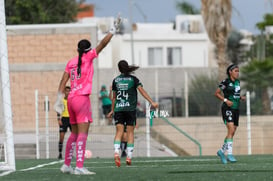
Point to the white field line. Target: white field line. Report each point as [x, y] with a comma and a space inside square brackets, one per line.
[110, 162]
[42, 165]
[5, 173]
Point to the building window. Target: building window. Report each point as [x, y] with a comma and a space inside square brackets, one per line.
[174, 56]
[155, 56]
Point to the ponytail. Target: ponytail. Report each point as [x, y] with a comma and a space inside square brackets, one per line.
[83, 47]
[125, 68]
[79, 63]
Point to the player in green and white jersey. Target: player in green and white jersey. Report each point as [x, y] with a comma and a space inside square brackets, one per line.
[230, 109]
[124, 103]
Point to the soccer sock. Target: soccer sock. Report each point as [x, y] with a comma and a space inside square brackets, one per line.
[230, 145]
[80, 149]
[70, 146]
[130, 149]
[225, 146]
[60, 147]
[123, 146]
[116, 146]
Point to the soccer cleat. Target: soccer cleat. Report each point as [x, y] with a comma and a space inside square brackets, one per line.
[66, 169]
[222, 156]
[83, 171]
[123, 154]
[128, 161]
[231, 158]
[117, 160]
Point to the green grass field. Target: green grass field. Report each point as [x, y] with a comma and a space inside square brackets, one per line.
[209, 168]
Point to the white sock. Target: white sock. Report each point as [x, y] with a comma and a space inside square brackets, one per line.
[117, 146]
[224, 147]
[130, 149]
[230, 145]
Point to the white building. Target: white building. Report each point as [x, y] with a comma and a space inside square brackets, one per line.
[159, 44]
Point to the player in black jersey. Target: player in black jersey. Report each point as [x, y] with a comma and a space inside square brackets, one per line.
[124, 103]
[230, 109]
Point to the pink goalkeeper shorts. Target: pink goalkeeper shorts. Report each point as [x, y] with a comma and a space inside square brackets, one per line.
[79, 108]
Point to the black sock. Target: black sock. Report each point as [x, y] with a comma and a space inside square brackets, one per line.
[60, 147]
[123, 145]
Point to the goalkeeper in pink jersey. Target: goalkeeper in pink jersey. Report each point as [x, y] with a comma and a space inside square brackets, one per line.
[79, 70]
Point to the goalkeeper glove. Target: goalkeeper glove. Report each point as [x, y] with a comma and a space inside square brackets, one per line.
[116, 27]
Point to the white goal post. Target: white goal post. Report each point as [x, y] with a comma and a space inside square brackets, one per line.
[6, 127]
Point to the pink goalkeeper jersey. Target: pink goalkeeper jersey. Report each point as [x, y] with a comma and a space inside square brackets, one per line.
[81, 85]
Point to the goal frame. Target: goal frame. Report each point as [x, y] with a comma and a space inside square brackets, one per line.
[6, 122]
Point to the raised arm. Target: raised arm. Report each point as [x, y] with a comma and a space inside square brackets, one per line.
[104, 42]
[108, 37]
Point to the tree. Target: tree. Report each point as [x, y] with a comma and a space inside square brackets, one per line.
[262, 44]
[41, 12]
[201, 98]
[268, 20]
[187, 8]
[216, 15]
[258, 76]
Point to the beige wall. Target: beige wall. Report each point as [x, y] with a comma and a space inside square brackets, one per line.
[210, 133]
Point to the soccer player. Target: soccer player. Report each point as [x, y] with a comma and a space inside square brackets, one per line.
[63, 120]
[106, 102]
[230, 110]
[80, 71]
[124, 140]
[124, 105]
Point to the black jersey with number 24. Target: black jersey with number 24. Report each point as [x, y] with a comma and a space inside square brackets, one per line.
[125, 87]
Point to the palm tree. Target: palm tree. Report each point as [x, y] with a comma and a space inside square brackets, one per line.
[216, 15]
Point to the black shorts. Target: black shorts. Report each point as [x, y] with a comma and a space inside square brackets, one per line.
[125, 127]
[106, 109]
[230, 115]
[125, 118]
[66, 124]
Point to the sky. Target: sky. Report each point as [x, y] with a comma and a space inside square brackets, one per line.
[246, 13]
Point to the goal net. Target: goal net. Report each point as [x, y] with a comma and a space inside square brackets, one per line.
[7, 157]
